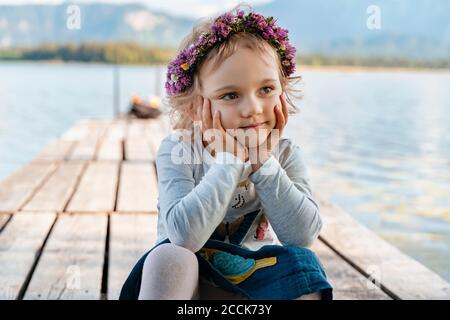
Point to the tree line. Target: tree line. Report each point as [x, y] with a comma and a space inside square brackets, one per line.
[131, 53]
[124, 53]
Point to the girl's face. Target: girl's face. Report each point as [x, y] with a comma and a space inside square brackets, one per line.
[245, 88]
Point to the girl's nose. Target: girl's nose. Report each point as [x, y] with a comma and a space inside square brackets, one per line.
[251, 106]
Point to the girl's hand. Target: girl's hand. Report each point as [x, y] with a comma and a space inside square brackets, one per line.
[259, 154]
[215, 135]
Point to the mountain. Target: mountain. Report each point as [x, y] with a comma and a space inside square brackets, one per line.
[409, 28]
[418, 29]
[34, 24]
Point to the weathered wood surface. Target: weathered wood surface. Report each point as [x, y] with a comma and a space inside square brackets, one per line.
[131, 236]
[97, 189]
[111, 147]
[57, 149]
[347, 283]
[86, 148]
[138, 188]
[4, 217]
[22, 184]
[138, 146]
[71, 265]
[54, 194]
[20, 241]
[399, 274]
[76, 219]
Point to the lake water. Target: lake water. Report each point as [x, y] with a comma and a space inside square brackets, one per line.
[377, 143]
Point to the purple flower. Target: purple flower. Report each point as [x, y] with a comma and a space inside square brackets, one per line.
[282, 33]
[268, 34]
[212, 39]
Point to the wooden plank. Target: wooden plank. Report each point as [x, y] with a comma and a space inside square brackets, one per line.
[87, 147]
[21, 184]
[110, 150]
[4, 217]
[20, 241]
[156, 132]
[78, 131]
[84, 150]
[55, 193]
[137, 144]
[348, 283]
[131, 235]
[71, 265]
[56, 150]
[111, 147]
[97, 189]
[397, 272]
[117, 130]
[138, 189]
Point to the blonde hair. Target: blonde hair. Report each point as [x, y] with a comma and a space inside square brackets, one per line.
[181, 105]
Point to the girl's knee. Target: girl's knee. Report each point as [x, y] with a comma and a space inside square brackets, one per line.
[169, 254]
[170, 249]
[311, 296]
[169, 272]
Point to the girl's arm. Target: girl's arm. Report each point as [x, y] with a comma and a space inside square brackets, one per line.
[286, 196]
[191, 213]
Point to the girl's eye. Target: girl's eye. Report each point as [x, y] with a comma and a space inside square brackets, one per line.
[229, 96]
[267, 90]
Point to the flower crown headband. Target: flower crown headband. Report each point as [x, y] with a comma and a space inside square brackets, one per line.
[180, 70]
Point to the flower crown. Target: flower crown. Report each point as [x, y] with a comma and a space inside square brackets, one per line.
[180, 70]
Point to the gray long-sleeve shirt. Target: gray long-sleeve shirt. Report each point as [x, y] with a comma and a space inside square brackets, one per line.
[197, 192]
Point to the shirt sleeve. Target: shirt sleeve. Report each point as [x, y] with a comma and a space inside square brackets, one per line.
[285, 193]
[190, 212]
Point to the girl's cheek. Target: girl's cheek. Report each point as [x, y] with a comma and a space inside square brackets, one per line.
[216, 105]
[224, 114]
[229, 119]
[270, 114]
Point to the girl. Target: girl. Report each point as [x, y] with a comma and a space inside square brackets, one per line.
[236, 211]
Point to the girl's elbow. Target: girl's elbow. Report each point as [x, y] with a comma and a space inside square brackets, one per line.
[315, 232]
[307, 239]
[183, 237]
[177, 232]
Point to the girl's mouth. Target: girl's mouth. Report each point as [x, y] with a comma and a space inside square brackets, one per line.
[254, 126]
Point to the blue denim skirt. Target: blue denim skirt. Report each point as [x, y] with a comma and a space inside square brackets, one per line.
[273, 272]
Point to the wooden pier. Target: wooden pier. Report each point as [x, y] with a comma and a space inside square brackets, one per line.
[75, 220]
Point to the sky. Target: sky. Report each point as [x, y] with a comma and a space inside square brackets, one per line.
[176, 7]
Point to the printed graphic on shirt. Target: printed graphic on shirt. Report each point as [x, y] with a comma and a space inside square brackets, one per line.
[263, 229]
[240, 199]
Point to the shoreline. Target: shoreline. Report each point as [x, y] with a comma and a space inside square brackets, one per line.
[354, 69]
[306, 67]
